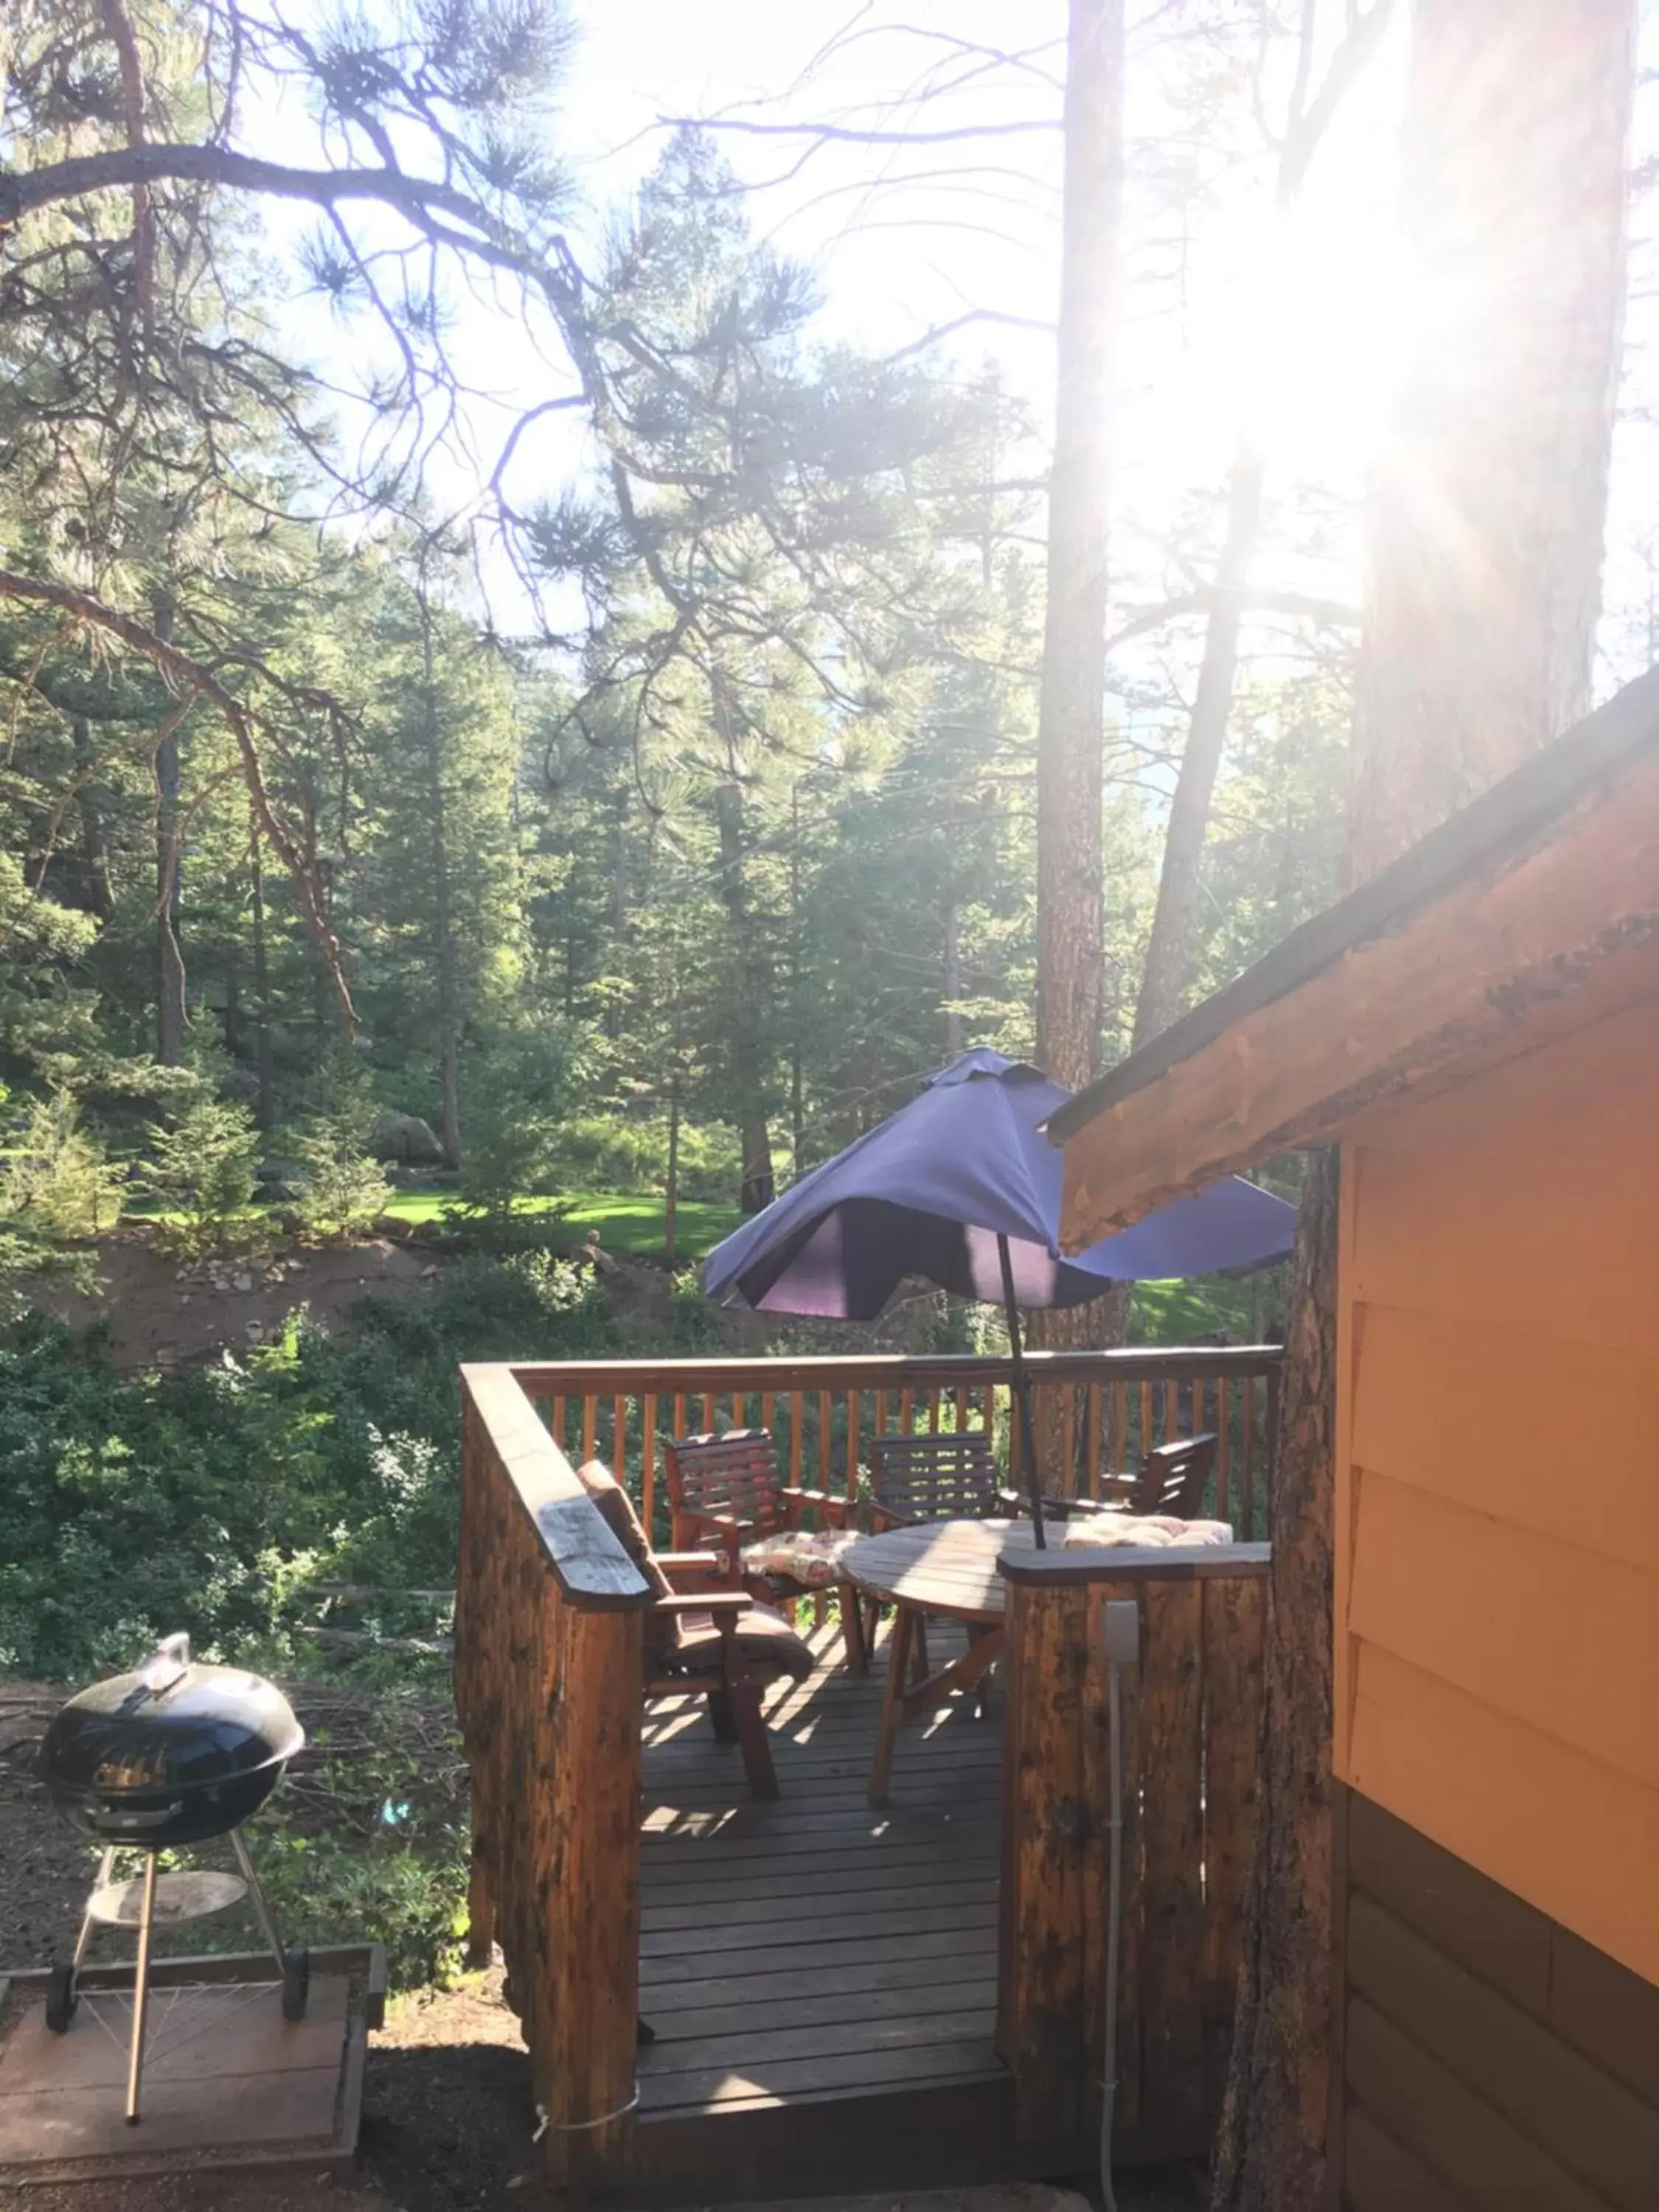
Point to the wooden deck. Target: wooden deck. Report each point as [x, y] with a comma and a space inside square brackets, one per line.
[803, 1958]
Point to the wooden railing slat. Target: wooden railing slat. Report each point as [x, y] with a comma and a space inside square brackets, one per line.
[648, 1463]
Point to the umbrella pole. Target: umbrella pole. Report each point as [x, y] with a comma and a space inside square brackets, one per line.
[1022, 1392]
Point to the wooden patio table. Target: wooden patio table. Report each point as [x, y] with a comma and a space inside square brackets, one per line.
[946, 1567]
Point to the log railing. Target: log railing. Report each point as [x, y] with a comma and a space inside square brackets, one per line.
[548, 1676]
[1192, 1711]
[1099, 1412]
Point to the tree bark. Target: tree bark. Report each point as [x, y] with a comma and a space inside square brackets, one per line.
[1071, 700]
[1165, 979]
[94, 863]
[1071, 705]
[265, 1111]
[1487, 507]
[670, 1209]
[754, 1136]
[951, 977]
[1270, 2149]
[444, 950]
[170, 1002]
[1485, 551]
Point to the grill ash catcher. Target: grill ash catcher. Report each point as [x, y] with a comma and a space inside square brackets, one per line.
[175, 1753]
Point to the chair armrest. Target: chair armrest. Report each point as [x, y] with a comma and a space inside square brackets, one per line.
[690, 1566]
[1017, 1502]
[719, 1602]
[834, 1510]
[887, 1516]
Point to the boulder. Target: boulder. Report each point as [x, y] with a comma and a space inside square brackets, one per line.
[407, 1138]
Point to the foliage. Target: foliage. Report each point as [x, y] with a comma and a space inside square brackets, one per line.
[59, 1184]
[369, 1830]
[344, 1187]
[212, 1498]
[202, 1169]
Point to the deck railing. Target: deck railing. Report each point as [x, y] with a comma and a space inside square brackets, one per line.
[549, 1688]
[1100, 1412]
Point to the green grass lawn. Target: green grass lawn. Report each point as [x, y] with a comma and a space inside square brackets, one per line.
[629, 1226]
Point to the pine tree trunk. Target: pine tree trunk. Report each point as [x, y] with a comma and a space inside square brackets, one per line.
[1071, 706]
[94, 864]
[1071, 701]
[1308, 117]
[444, 950]
[170, 992]
[1485, 541]
[951, 979]
[748, 1060]
[1164, 979]
[670, 1209]
[265, 1111]
[1485, 523]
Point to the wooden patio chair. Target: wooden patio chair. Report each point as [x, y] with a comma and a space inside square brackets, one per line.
[1173, 1477]
[945, 1474]
[702, 1637]
[725, 1493]
[942, 1475]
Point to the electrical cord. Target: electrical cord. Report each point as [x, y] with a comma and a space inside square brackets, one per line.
[1114, 1920]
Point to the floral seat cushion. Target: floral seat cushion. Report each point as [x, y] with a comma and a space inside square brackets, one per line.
[812, 1557]
[1153, 1531]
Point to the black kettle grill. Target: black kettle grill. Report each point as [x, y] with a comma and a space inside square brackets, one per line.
[172, 1753]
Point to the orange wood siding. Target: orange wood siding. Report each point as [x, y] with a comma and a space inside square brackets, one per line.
[1498, 1507]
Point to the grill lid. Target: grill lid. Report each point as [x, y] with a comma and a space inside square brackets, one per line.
[172, 1725]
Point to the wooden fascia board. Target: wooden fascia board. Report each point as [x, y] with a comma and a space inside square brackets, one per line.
[1534, 943]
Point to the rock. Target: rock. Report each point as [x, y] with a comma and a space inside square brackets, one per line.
[407, 1138]
[430, 1268]
[256, 1331]
[244, 1282]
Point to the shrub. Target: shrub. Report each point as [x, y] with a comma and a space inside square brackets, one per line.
[345, 1186]
[203, 1168]
[59, 1183]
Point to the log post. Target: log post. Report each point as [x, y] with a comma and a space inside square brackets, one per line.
[1047, 1830]
[548, 1676]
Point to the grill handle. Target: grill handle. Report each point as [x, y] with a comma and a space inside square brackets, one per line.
[112, 1817]
[168, 1663]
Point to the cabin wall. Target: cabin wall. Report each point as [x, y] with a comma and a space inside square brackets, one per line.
[1497, 1731]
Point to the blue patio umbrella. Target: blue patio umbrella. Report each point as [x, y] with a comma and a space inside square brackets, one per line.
[961, 1187]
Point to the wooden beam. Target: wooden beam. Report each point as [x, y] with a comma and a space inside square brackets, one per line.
[1530, 946]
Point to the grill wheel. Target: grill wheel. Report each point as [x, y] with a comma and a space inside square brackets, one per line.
[296, 1984]
[61, 1999]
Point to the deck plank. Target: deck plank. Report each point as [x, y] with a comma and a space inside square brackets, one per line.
[815, 1949]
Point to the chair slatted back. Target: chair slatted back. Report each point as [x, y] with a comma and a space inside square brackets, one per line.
[1172, 1477]
[733, 1478]
[938, 1475]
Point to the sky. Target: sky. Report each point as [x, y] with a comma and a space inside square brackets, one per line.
[1235, 317]
[1229, 316]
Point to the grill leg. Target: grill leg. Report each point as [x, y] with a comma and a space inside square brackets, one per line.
[141, 1989]
[106, 1868]
[267, 1925]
